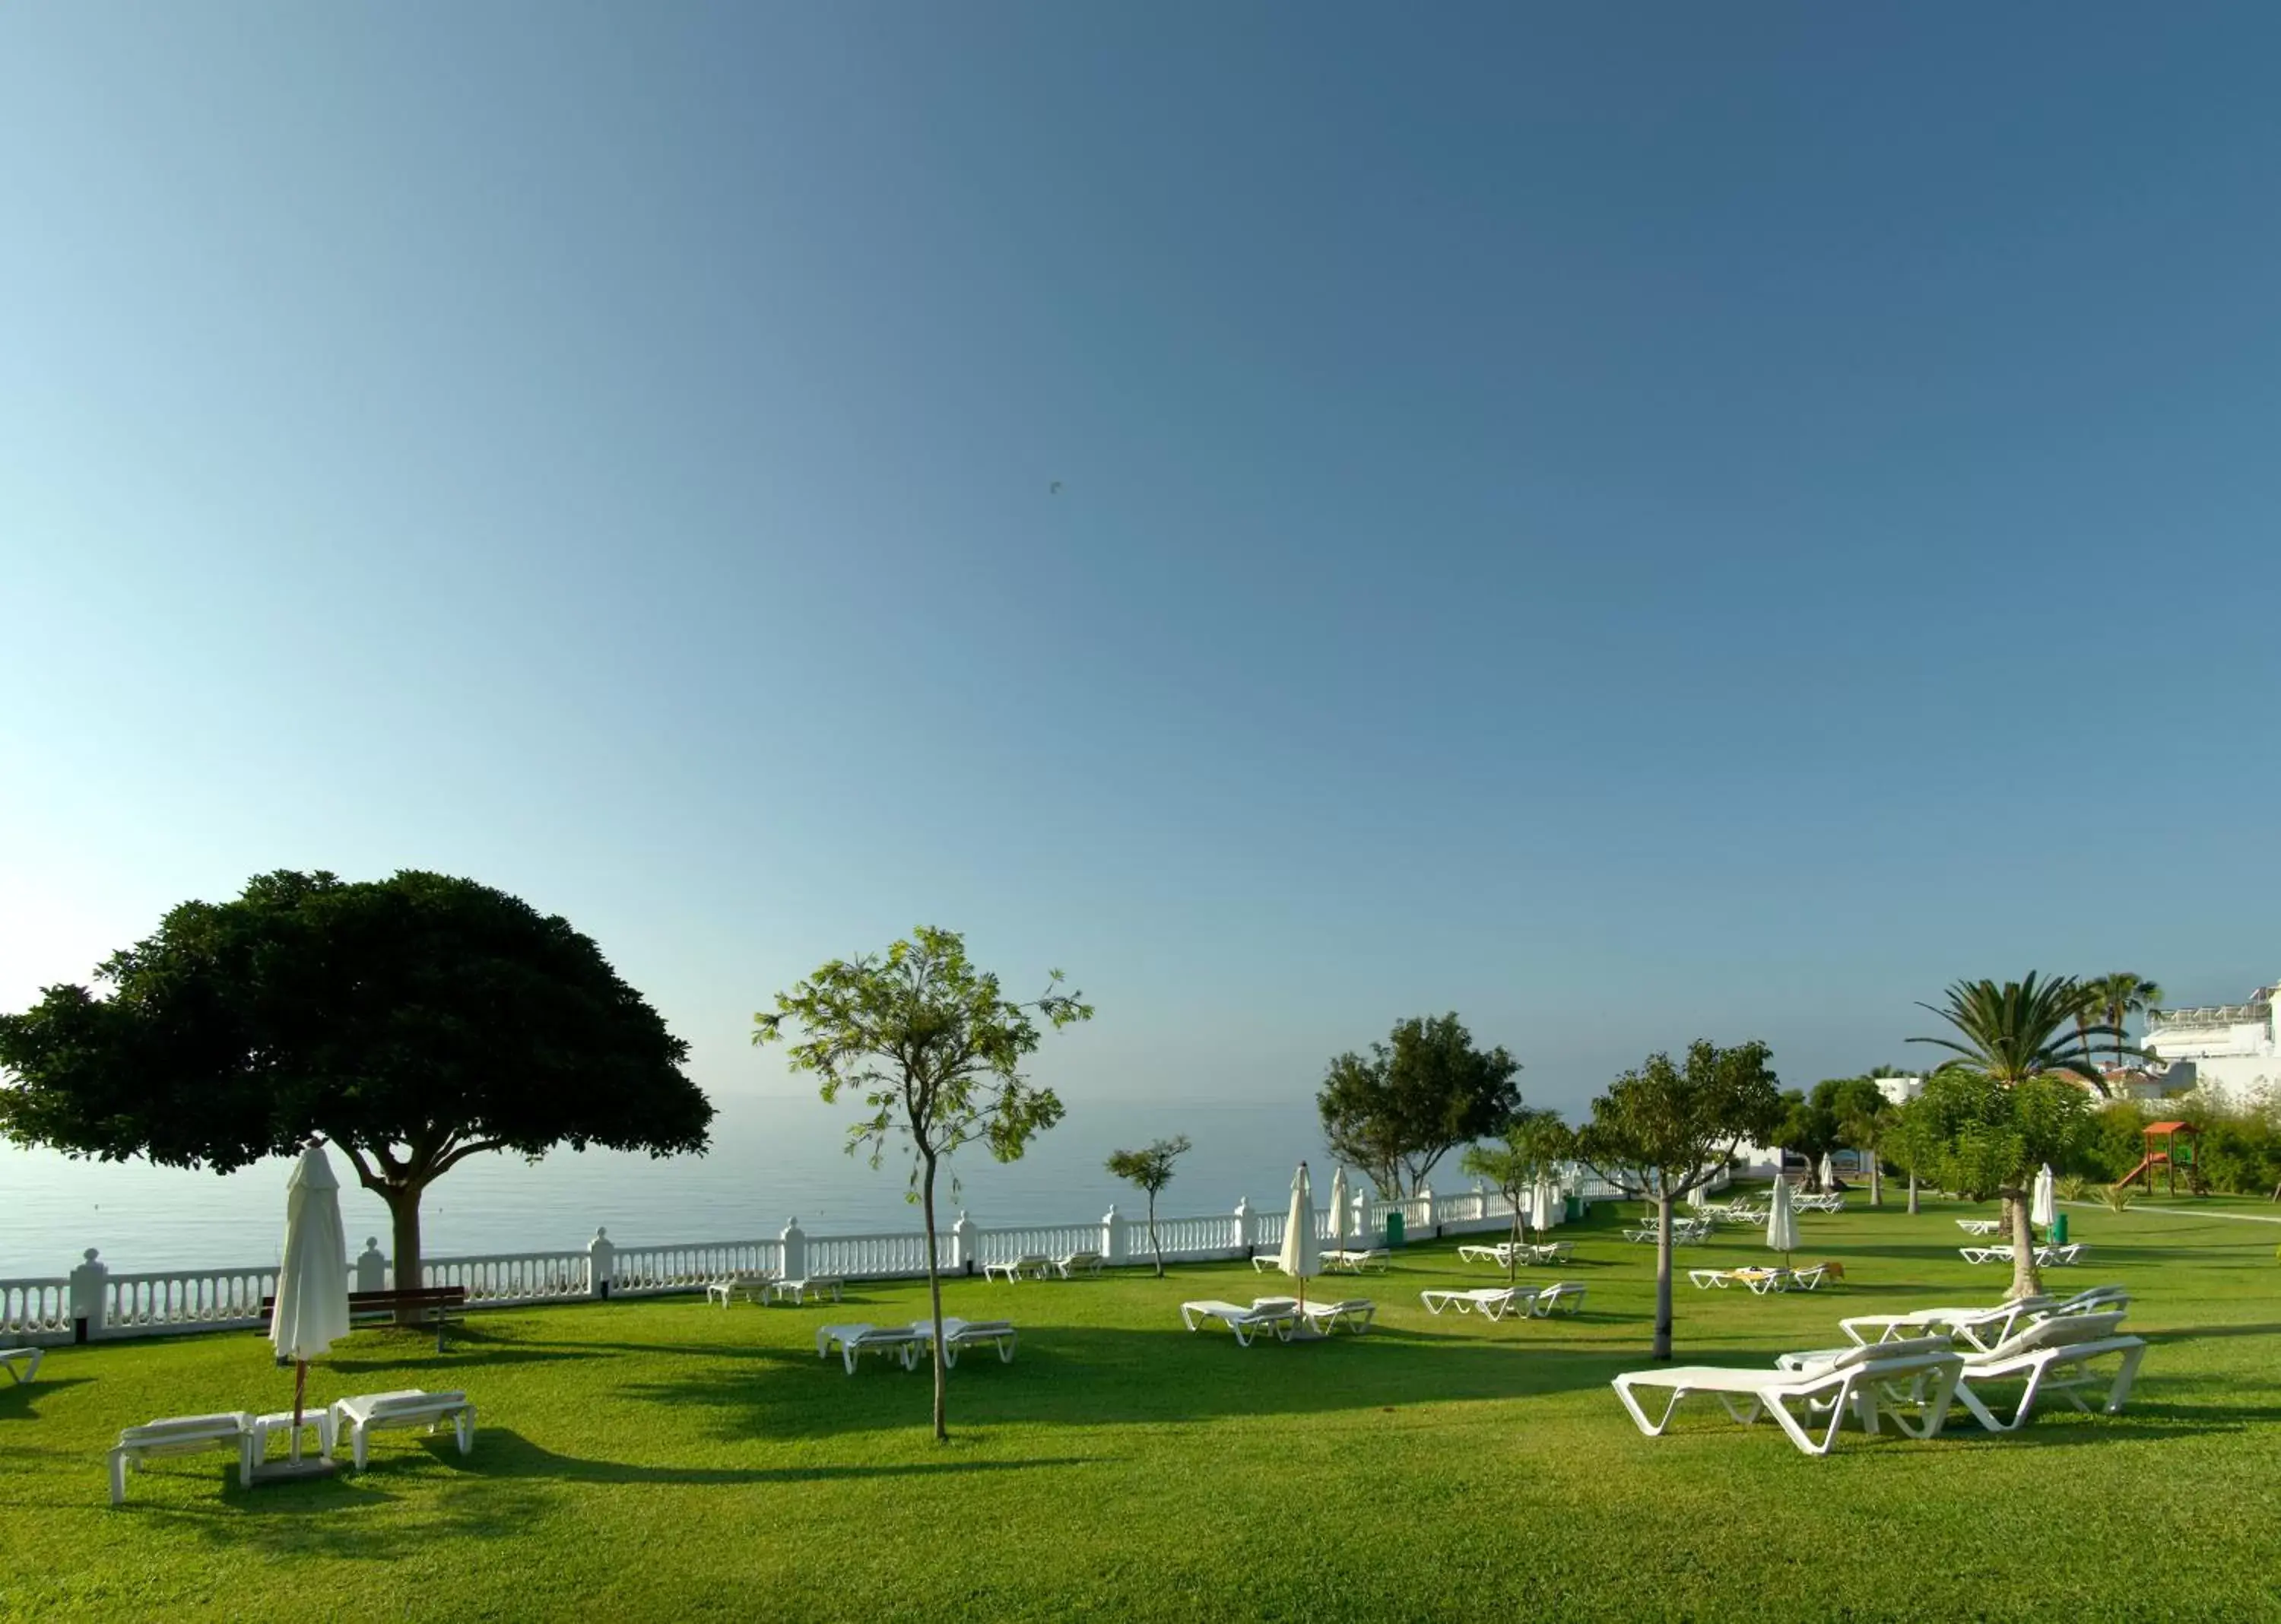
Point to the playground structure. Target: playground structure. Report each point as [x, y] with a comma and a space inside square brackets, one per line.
[2180, 1141]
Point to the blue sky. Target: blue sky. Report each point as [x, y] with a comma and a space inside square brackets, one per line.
[1631, 524]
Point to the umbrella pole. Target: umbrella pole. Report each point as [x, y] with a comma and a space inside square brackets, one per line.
[300, 1390]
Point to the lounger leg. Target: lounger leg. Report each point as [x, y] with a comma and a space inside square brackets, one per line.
[1006, 1349]
[1653, 1429]
[118, 1477]
[359, 1443]
[465, 1423]
[2124, 1378]
[1241, 1340]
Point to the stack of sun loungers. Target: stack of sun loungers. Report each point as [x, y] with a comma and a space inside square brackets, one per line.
[1505, 1254]
[1761, 1282]
[1500, 1302]
[1278, 1318]
[1911, 1368]
[2046, 1257]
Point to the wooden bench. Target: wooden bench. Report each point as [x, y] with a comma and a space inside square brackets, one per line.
[439, 1304]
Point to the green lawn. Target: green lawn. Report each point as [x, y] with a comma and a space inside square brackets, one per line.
[669, 1459]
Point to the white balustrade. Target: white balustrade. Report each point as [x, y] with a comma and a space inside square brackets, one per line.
[646, 1270]
[96, 1303]
[1046, 1240]
[34, 1309]
[511, 1276]
[184, 1300]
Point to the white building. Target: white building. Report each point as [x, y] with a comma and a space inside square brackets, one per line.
[2232, 1050]
[1900, 1090]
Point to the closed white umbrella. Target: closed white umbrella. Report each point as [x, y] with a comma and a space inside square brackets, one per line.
[1540, 1202]
[1829, 1172]
[313, 1281]
[1302, 1256]
[1782, 1222]
[1339, 1200]
[2044, 1208]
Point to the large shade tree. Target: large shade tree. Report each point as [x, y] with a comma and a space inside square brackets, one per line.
[932, 1049]
[1667, 1128]
[415, 1022]
[2006, 1036]
[1397, 1111]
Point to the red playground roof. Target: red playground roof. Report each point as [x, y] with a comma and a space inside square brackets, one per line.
[2171, 1127]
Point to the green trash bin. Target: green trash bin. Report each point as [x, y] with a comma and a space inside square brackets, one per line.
[2059, 1229]
[1394, 1228]
[1575, 1208]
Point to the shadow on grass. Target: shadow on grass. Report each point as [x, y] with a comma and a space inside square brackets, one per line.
[1090, 1376]
[23, 1398]
[501, 1453]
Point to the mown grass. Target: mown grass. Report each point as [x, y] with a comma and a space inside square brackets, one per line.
[669, 1460]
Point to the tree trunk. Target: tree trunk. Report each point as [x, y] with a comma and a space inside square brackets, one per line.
[1876, 1181]
[403, 1229]
[1912, 1192]
[1662, 1349]
[934, 1298]
[2027, 1281]
[1154, 1245]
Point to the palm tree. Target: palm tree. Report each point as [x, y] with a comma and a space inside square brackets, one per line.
[2118, 997]
[2010, 1033]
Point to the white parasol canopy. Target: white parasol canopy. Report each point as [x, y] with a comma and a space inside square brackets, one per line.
[1302, 1256]
[2045, 1207]
[1782, 1222]
[313, 1281]
[1829, 1172]
[1339, 1209]
[1540, 1202]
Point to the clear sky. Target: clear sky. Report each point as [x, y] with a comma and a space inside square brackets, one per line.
[1629, 522]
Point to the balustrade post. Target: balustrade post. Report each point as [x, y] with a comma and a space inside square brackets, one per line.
[1243, 1227]
[795, 1251]
[372, 1266]
[601, 1263]
[1113, 1230]
[1360, 1227]
[1481, 1201]
[87, 1297]
[961, 1246]
[1426, 1212]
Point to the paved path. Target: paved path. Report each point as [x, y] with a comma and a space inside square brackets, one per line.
[2199, 1212]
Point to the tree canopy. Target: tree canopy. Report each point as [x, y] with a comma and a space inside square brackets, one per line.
[931, 1048]
[415, 1022]
[1398, 1111]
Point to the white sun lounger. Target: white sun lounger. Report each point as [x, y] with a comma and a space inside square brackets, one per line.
[1072, 1263]
[1760, 1280]
[1029, 1265]
[183, 1434]
[2053, 1356]
[1489, 1302]
[801, 1290]
[28, 1358]
[1355, 1313]
[750, 1284]
[1549, 1300]
[1501, 1254]
[892, 1341]
[957, 1334]
[1846, 1385]
[371, 1412]
[2046, 1257]
[1979, 1327]
[1979, 1227]
[1276, 1316]
[1355, 1262]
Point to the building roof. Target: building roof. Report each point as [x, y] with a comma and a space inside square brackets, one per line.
[2171, 1127]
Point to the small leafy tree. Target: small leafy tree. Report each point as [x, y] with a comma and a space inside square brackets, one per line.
[1150, 1170]
[1397, 1111]
[415, 1022]
[1661, 1131]
[1989, 1138]
[1810, 1127]
[1864, 1116]
[1532, 1144]
[933, 1050]
[2008, 1036]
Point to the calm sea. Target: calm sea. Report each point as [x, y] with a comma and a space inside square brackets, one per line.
[773, 1159]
